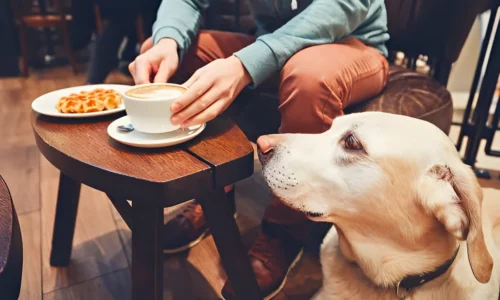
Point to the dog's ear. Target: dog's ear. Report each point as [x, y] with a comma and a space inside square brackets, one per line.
[454, 197]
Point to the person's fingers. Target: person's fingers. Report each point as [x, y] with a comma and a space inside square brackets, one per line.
[143, 70]
[164, 71]
[207, 115]
[196, 90]
[192, 79]
[131, 68]
[148, 44]
[196, 107]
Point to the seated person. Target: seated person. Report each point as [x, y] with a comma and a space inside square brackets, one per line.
[323, 55]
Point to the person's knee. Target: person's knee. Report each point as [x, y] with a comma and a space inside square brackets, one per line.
[298, 77]
[310, 95]
[304, 75]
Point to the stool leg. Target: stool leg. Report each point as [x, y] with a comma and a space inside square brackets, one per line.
[147, 259]
[228, 241]
[24, 50]
[64, 224]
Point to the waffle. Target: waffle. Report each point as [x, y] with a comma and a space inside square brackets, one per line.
[91, 101]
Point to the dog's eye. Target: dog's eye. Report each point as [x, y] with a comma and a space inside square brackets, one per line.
[351, 142]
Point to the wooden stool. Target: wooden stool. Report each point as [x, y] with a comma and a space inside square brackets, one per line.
[28, 16]
[152, 179]
[11, 246]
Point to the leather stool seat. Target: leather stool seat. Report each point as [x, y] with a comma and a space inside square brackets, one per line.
[412, 94]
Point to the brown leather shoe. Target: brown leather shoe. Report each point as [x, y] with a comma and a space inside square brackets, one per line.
[188, 228]
[273, 254]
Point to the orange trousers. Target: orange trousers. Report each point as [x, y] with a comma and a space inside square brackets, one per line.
[315, 85]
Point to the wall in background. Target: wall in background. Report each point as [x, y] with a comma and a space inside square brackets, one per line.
[463, 70]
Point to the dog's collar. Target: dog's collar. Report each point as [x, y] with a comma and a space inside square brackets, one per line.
[413, 281]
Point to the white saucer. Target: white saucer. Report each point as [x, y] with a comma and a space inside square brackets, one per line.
[46, 104]
[151, 140]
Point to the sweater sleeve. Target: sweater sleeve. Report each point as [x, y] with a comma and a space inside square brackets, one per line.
[322, 22]
[180, 21]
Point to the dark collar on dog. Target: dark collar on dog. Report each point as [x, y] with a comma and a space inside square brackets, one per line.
[413, 281]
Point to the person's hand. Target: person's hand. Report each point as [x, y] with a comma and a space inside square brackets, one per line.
[210, 91]
[148, 44]
[160, 61]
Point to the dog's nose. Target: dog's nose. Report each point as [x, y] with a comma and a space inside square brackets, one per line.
[264, 144]
[267, 143]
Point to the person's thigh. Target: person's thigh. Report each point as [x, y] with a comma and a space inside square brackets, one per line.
[318, 82]
[209, 46]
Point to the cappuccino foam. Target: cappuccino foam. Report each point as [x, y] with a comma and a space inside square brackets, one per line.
[155, 92]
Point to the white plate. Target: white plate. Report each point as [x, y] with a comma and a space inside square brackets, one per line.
[46, 104]
[151, 140]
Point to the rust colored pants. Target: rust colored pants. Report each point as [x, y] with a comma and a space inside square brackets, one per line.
[315, 85]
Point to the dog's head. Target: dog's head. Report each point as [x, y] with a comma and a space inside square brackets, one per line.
[397, 175]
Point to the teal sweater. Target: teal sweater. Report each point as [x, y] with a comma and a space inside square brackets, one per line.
[284, 28]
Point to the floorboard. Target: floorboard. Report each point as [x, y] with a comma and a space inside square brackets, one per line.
[19, 168]
[97, 249]
[31, 284]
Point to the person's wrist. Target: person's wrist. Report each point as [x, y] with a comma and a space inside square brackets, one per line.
[168, 42]
[245, 78]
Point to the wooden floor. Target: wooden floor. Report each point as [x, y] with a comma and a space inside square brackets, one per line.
[101, 250]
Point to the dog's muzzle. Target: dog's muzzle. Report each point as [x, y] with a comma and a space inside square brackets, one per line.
[264, 158]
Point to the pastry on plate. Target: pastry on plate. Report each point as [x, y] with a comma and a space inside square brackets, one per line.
[89, 101]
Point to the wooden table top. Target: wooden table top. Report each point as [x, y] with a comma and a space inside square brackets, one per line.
[82, 149]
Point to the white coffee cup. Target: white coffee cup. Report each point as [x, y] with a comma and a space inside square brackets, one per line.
[148, 106]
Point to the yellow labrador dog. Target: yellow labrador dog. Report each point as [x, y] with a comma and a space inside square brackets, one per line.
[406, 210]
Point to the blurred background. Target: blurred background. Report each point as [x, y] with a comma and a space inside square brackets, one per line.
[94, 38]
